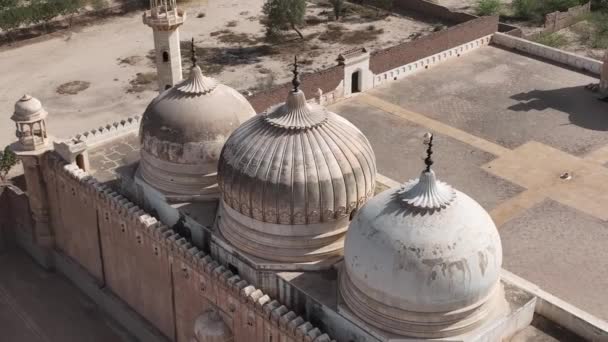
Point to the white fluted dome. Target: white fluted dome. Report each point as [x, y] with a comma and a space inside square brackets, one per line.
[183, 131]
[290, 179]
[422, 260]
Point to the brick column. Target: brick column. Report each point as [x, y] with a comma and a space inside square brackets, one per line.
[39, 240]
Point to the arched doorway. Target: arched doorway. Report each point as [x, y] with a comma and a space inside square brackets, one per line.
[80, 162]
[354, 82]
[165, 56]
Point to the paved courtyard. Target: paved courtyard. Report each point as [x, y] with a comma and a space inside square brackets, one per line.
[39, 306]
[507, 127]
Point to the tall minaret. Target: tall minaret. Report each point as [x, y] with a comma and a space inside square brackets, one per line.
[165, 18]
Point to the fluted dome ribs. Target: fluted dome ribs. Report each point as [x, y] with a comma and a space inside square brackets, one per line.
[298, 164]
[197, 84]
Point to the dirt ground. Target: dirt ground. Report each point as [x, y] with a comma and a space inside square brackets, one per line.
[576, 41]
[113, 57]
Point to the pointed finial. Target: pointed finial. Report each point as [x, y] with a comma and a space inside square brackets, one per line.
[296, 74]
[428, 140]
[193, 50]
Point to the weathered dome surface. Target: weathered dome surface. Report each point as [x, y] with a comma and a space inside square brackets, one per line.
[423, 260]
[28, 109]
[290, 178]
[210, 327]
[183, 131]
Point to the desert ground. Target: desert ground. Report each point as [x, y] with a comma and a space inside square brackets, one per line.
[113, 77]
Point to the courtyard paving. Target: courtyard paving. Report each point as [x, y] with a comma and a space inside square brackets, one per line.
[507, 127]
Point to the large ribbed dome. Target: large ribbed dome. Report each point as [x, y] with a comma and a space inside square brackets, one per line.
[423, 260]
[183, 131]
[290, 178]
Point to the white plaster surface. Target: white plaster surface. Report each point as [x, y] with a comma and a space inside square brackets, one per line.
[552, 54]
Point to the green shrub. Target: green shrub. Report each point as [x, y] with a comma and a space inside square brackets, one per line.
[8, 159]
[527, 9]
[488, 7]
[555, 40]
[537, 9]
[548, 6]
[599, 36]
[283, 14]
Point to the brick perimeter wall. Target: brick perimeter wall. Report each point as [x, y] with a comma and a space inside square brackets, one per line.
[167, 280]
[326, 80]
[393, 57]
[558, 20]
[14, 215]
[433, 10]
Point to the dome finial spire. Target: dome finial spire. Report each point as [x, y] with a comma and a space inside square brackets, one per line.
[428, 140]
[296, 74]
[193, 56]
[426, 192]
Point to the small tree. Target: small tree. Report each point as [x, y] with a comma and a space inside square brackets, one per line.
[284, 14]
[8, 159]
[488, 7]
[338, 6]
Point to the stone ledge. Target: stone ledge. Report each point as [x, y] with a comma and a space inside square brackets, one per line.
[561, 312]
[549, 53]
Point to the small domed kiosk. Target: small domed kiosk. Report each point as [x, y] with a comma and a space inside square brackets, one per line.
[290, 180]
[30, 122]
[422, 260]
[183, 131]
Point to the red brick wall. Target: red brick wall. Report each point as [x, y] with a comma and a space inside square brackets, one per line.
[14, 214]
[432, 10]
[73, 217]
[137, 267]
[156, 272]
[558, 20]
[395, 56]
[327, 80]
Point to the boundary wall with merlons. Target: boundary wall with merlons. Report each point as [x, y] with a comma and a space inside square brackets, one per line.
[157, 273]
[392, 63]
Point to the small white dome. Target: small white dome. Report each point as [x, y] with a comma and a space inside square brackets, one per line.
[28, 109]
[421, 260]
[290, 178]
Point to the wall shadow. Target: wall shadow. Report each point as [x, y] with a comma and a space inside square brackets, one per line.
[583, 107]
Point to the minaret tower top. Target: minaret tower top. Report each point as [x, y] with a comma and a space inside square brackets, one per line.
[165, 18]
[164, 15]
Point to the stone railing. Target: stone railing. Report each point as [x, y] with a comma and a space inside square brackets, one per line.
[110, 131]
[556, 55]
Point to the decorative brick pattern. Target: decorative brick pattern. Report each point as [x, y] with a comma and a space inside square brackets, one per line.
[403, 54]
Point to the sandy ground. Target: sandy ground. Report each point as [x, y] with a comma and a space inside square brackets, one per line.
[92, 54]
